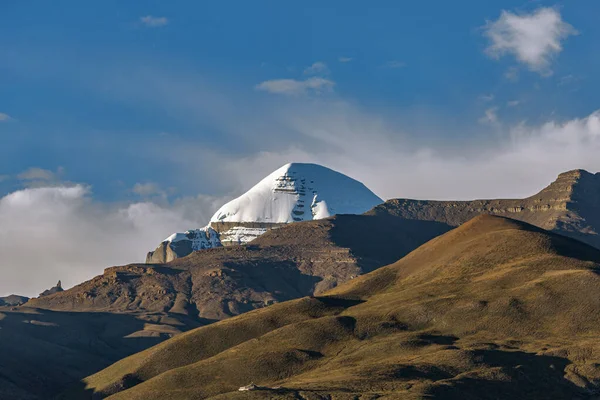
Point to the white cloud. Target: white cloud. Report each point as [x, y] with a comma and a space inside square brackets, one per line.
[517, 164]
[296, 87]
[569, 80]
[394, 64]
[4, 117]
[39, 177]
[487, 97]
[490, 116]
[37, 174]
[154, 22]
[512, 74]
[53, 233]
[345, 59]
[513, 103]
[148, 189]
[533, 39]
[318, 68]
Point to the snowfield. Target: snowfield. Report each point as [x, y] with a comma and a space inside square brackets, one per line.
[299, 192]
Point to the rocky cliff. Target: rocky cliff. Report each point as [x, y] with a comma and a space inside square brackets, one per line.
[570, 206]
[55, 289]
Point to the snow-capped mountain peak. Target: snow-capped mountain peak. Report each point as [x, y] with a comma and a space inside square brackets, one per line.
[299, 192]
[293, 193]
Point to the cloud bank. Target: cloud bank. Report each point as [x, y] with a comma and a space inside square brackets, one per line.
[318, 68]
[515, 161]
[60, 232]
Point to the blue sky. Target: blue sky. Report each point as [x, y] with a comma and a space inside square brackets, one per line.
[123, 119]
[77, 79]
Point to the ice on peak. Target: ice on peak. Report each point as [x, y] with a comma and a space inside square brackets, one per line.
[295, 192]
[299, 192]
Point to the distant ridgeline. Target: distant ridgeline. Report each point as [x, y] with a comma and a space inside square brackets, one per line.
[570, 206]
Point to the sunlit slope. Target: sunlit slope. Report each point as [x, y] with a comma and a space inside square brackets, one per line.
[493, 309]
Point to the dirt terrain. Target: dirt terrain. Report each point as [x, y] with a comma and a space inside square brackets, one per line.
[63, 336]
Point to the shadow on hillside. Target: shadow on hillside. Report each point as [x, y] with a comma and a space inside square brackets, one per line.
[272, 276]
[569, 247]
[531, 376]
[42, 352]
[382, 240]
[338, 302]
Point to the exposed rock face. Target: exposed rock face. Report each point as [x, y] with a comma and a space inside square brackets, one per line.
[235, 233]
[293, 261]
[56, 289]
[182, 244]
[569, 206]
[13, 300]
[293, 193]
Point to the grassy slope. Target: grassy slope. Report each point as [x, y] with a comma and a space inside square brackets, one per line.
[493, 309]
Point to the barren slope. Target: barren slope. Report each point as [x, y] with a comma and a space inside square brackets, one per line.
[493, 309]
[293, 261]
[130, 308]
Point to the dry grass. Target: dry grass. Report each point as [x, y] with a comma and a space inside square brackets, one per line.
[493, 309]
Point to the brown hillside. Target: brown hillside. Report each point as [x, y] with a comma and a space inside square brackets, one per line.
[130, 308]
[294, 261]
[569, 206]
[493, 309]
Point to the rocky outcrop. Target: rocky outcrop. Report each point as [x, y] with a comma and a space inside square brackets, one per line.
[235, 233]
[56, 289]
[570, 206]
[181, 244]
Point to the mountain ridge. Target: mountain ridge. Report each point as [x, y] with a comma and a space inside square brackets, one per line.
[496, 308]
[570, 205]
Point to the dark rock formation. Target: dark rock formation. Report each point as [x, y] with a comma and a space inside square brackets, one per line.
[181, 244]
[56, 289]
